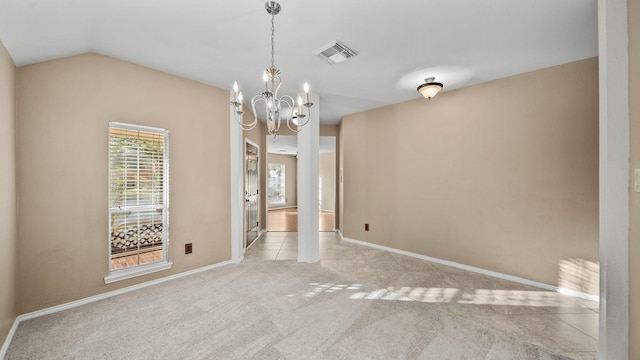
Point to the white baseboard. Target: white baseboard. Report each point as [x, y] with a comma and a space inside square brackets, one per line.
[282, 207]
[90, 299]
[495, 274]
[309, 260]
[7, 341]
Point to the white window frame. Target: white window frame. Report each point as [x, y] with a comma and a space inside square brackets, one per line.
[164, 264]
[283, 195]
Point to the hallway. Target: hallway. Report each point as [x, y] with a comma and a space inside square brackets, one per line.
[287, 220]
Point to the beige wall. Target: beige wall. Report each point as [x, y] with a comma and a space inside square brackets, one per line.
[502, 176]
[8, 264]
[64, 107]
[634, 197]
[325, 130]
[327, 163]
[334, 130]
[290, 178]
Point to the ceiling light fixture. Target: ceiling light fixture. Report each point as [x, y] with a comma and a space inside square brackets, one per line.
[274, 106]
[430, 88]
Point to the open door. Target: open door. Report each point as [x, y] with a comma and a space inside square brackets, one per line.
[251, 193]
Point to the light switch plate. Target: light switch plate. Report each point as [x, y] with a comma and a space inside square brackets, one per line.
[636, 178]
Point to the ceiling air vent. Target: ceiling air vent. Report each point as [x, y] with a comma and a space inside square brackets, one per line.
[334, 52]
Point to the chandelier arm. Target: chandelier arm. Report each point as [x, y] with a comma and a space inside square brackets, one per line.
[300, 124]
[292, 106]
[239, 118]
[255, 99]
[308, 116]
[288, 100]
[278, 83]
[295, 131]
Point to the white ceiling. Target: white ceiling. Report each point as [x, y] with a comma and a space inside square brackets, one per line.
[288, 145]
[399, 43]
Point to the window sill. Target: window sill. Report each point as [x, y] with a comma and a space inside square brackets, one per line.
[124, 274]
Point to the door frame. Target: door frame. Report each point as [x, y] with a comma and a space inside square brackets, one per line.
[244, 182]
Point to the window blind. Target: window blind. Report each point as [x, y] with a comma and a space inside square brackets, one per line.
[137, 195]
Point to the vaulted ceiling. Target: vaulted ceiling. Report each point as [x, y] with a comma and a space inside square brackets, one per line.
[398, 43]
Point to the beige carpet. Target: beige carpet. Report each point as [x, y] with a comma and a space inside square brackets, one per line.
[262, 310]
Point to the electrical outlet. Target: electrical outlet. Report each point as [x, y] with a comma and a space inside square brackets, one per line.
[188, 248]
[366, 227]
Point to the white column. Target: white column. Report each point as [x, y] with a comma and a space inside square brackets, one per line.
[308, 186]
[237, 198]
[613, 342]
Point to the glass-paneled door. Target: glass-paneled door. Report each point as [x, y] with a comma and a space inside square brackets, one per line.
[251, 192]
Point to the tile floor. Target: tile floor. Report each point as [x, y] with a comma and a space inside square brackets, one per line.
[564, 324]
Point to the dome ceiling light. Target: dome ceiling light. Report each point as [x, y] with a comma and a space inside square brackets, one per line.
[430, 88]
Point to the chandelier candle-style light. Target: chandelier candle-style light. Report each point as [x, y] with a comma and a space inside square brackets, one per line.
[275, 107]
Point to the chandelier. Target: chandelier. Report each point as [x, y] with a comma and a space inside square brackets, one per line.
[274, 107]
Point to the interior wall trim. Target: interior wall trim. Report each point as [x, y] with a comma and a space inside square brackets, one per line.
[495, 274]
[281, 207]
[7, 341]
[90, 299]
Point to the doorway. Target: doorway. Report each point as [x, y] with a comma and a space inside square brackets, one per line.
[282, 206]
[251, 193]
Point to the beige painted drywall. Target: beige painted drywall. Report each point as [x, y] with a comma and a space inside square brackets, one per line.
[8, 263]
[334, 130]
[325, 130]
[502, 176]
[64, 107]
[290, 178]
[634, 197]
[327, 171]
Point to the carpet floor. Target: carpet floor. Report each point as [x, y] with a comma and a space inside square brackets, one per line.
[263, 310]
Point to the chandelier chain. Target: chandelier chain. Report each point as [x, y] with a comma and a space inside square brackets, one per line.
[272, 38]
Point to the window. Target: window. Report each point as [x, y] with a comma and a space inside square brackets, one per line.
[275, 185]
[138, 201]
